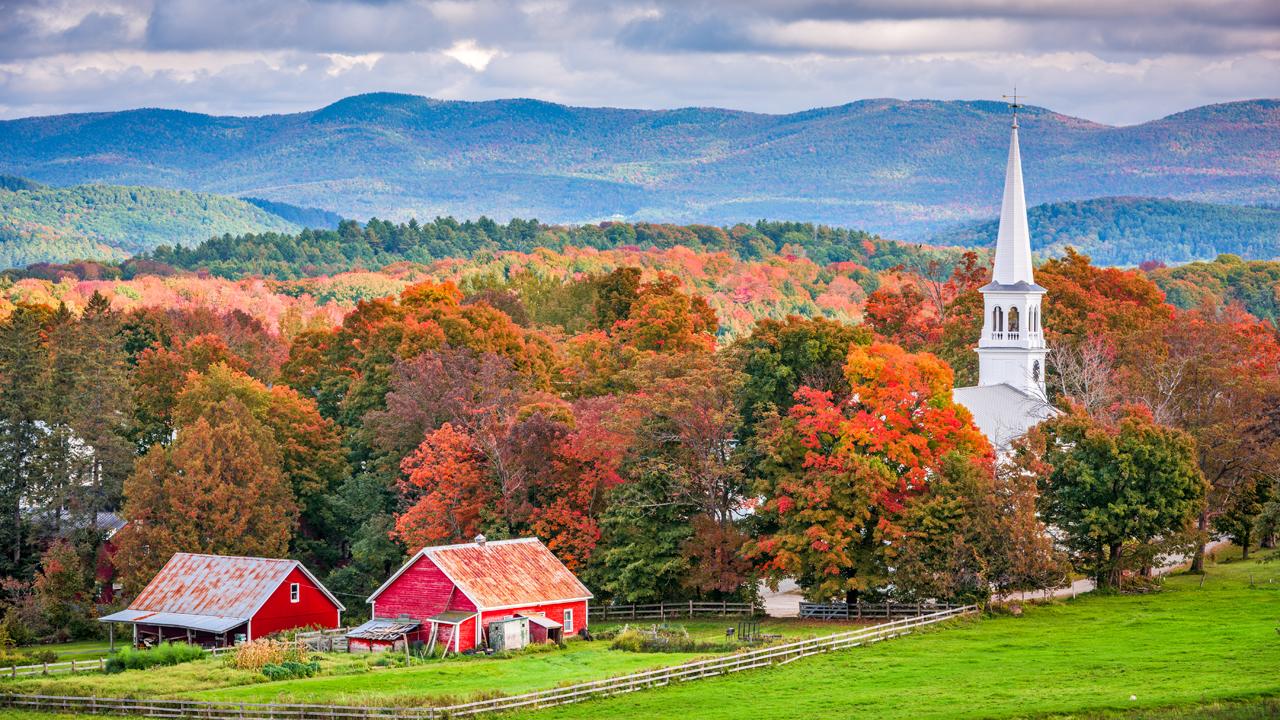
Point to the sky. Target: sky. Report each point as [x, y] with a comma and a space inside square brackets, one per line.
[1111, 61]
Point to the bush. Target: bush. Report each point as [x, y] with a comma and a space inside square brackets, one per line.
[44, 655]
[134, 659]
[663, 638]
[258, 654]
[289, 669]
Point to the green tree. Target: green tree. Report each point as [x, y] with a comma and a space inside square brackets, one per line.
[1113, 489]
[24, 362]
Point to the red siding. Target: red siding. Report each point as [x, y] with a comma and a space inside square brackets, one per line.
[553, 611]
[423, 591]
[420, 592]
[313, 608]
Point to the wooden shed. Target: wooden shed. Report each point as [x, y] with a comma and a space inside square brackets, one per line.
[213, 600]
[455, 591]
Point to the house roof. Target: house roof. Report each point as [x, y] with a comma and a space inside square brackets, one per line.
[383, 629]
[501, 574]
[216, 585]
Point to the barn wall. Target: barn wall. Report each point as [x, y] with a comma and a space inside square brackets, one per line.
[313, 608]
[553, 611]
[420, 592]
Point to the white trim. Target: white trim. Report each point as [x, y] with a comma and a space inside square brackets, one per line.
[479, 617]
[295, 593]
[539, 603]
[566, 620]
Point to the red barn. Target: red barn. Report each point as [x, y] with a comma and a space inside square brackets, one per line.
[446, 596]
[213, 599]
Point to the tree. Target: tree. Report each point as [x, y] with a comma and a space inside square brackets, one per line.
[445, 488]
[310, 451]
[218, 489]
[838, 478]
[61, 590]
[1114, 488]
[24, 362]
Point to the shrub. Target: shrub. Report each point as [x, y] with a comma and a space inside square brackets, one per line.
[258, 654]
[171, 654]
[289, 669]
[43, 655]
[662, 638]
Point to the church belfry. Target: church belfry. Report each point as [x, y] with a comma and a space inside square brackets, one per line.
[1012, 349]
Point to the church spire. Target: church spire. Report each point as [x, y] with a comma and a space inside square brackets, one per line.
[1013, 245]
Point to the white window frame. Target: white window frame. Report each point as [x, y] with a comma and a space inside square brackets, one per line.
[568, 621]
[295, 592]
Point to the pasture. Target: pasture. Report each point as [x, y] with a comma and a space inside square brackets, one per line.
[1200, 647]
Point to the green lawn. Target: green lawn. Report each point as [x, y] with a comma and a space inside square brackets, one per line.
[357, 679]
[1190, 646]
[75, 650]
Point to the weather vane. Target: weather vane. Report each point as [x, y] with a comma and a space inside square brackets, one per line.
[1014, 104]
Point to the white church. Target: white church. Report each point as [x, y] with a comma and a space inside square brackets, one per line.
[1010, 397]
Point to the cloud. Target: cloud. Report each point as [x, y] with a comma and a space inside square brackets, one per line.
[1116, 62]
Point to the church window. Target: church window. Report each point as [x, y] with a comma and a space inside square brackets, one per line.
[1035, 371]
[1013, 319]
[997, 320]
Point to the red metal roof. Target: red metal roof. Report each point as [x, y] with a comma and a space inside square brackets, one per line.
[503, 573]
[216, 585]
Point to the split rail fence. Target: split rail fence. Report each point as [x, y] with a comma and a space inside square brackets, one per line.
[859, 610]
[696, 670]
[662, 611]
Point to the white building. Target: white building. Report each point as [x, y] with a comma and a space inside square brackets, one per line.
[1010, 396]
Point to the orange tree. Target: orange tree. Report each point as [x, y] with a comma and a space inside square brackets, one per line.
[839, 478]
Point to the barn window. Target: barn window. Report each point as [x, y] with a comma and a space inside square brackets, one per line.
[293, 592]
[568, 621]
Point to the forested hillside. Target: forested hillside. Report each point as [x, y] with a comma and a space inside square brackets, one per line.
[58, 224]
[379, 243]
[1129, 230]
[903, 169]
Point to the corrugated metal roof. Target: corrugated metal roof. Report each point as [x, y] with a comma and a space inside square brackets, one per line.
[508, 573]
[544, 621]
[383, 630]
[208, 623]
[217, 585]
[452, 617]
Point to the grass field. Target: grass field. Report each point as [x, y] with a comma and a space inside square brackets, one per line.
[1196, 649]
[358, 680]
[1212, 650]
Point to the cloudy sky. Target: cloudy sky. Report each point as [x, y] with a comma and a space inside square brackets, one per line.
[1115, 61]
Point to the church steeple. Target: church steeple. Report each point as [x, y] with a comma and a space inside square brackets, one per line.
[1013, 245]
[1012, 349]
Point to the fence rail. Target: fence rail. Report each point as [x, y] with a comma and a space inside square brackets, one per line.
[662, 611]
[859, 610]
[695, 670]
[54, 668]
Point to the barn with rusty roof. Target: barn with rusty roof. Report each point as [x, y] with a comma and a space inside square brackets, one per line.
[214, 600]
[447, 596]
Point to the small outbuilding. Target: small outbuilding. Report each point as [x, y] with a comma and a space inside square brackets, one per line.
[217, 600]
[455, 592]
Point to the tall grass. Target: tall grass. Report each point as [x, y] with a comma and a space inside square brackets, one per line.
[134, 659]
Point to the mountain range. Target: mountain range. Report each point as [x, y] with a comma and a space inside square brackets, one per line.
[905, 169]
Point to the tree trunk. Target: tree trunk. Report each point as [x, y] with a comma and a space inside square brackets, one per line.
[1113, 575]
[1197, 560]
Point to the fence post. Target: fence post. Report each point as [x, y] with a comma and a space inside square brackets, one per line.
[46, 668]
[691, 602]
[73, 666]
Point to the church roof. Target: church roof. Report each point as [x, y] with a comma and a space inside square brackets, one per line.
[1002, 412]
[1013, 244]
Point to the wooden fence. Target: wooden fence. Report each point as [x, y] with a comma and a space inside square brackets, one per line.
[54, 668]
[860, 610]
[696, 670]
[662, 611]
[317, 640]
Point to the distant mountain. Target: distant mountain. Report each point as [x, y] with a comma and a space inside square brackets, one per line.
[905, 169]
[1128, 230]
[109, 222]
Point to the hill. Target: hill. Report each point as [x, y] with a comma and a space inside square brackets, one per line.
[1129, 230]
[56, 224]
[901, 168]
